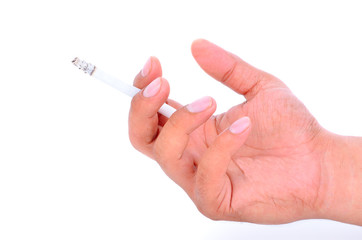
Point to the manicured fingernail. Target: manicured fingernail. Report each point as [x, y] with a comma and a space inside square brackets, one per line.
[240, 125]
[153, 88]
[146, 68]
[199, 105]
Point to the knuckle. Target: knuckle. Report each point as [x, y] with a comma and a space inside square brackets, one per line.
[229, 73]
[254, 78]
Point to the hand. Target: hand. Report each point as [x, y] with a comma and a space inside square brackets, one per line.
[261, 161]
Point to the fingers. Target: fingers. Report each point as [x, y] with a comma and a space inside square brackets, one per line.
[231, 70]
[150, 71]
[173, 139]
[211, 173]
[143, 118]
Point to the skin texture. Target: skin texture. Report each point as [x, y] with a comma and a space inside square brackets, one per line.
[280, 168]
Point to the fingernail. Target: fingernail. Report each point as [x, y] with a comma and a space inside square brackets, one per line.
[199, 105]
[240, 125]
[146, 68]
[152, 88]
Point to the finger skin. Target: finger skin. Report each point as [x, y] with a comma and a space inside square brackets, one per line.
[213, 186]
[144, 121]
[154, 72]
[143, 130]
[230, 69]
[143, 118]
[173, 139]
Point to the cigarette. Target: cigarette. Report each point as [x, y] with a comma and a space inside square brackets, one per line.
[127, 89]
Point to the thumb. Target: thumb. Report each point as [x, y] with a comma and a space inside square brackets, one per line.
[231, 70]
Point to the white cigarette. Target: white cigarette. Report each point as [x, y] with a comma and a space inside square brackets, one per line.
[129, 90]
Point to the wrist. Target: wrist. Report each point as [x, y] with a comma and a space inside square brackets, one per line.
[341, 179]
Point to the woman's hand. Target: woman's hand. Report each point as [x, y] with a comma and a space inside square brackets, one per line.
[261, 161]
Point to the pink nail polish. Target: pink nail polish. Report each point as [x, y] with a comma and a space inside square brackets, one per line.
[153, 88]
[146, 68]
[199, 105]
[240, 125]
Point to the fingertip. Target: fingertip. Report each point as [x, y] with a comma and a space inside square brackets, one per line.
[156, 64]
[198, 46]
[150, 71]
[156, 69]
[197, 42]
[146, 68]
[152, 89]
[240, 126]
[158, 88]
[213, 106]
[201, 105]
[165, 89]
[213, 59]
[149, 100]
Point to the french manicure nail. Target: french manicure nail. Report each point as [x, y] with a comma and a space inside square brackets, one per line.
[153, 88]
[199, 105]
[146, 68]
[240, 125]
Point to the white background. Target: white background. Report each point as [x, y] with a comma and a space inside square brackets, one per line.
[67, 169]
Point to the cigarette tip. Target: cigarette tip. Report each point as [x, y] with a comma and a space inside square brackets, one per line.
[75, 61]
[83, 65]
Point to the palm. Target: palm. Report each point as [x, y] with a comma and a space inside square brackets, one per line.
[265, 174]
